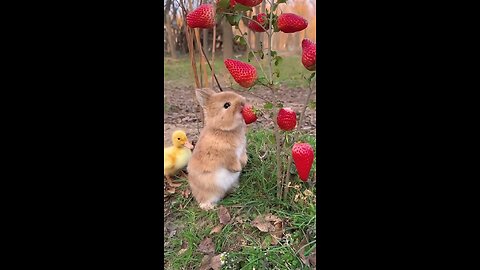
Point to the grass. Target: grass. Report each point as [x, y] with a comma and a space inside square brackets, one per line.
[255, 196]
[290, 69]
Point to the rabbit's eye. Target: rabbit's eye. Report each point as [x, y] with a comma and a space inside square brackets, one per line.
[226, 105]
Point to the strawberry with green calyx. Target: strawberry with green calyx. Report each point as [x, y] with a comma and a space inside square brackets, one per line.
[286, 119]
[202, 17]
[248, 113]
[244, 74]
[302, 154]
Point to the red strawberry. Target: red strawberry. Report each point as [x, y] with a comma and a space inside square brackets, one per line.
[309, 54]
[302, 154]
[291, 23]
[286, 119]
[202, 17]
[260, 18]
[249, 3]
[243, 73]
[248, 114]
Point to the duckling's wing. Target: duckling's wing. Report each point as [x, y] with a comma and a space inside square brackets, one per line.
[168, 161]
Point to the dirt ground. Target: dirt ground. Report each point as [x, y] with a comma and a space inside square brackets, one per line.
[183, 112]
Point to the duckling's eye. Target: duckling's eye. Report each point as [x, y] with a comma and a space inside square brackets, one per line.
[178, 139]
[226, 105]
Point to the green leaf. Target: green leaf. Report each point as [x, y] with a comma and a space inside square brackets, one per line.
[268, 106]
[223, 4]
[311, 76]
[238, 18]
[312, 105]
[281, 1]
[250, 56]
[240, 39]
[277, 72]
[262, 80]
[219, 16]
[278, 60]
[230, 19]
[257, 111]
[243, 41]
[273, 54]
[275, 27]
[233, 19]
[240, 7]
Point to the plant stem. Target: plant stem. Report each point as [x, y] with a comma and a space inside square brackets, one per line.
[299, 127]
[279, 161]
[270, 34]
[208, 62]
[213, 55]
[254, 55]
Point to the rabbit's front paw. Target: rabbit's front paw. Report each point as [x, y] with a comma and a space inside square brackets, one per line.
[243, 160]
[235, 166]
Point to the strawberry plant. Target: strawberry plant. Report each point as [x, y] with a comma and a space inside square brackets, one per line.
[286, 126]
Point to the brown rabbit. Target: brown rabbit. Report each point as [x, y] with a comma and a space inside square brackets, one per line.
[220, 153]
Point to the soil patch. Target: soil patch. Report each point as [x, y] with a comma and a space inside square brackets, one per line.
[183, 112]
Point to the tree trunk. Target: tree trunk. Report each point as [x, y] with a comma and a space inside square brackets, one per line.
[263, 37]
[227, 33]
[170, 35]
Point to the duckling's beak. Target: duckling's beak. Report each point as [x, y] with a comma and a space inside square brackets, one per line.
[188, 145]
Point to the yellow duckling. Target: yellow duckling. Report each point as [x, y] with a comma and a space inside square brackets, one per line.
[177, 156]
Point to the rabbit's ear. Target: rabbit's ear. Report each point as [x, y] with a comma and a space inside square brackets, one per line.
[203, 95]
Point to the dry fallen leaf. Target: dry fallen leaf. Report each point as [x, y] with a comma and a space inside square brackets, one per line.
[307, 192]
[264, 222]
[301, 252]
[239, 220]
[273, 218]
[206, 246]
[211, 262]
[183, 248]
[312, 258]
[186, 193]
[217, 229]
[216, 262]
[205, 264]
[175, 185]
[260, 223]
[170, 190]
[224, 215]
[278, 233]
